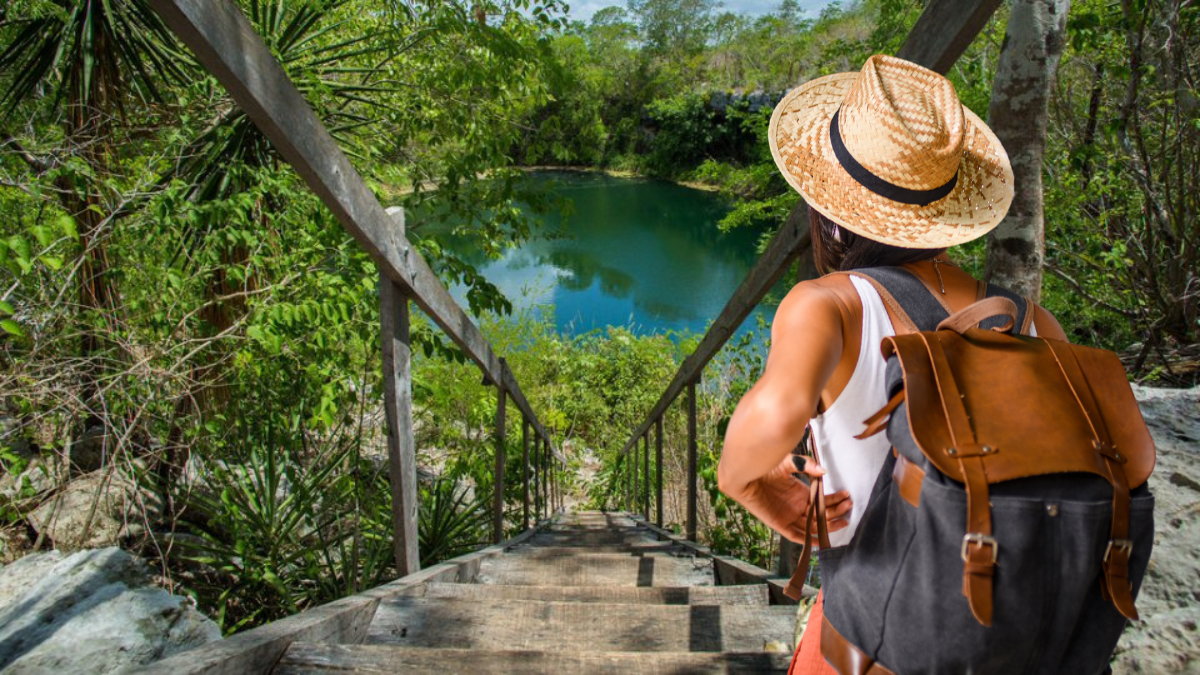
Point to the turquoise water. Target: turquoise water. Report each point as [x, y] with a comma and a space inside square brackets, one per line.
[638, 253]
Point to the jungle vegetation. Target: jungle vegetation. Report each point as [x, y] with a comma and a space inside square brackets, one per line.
[187, 332]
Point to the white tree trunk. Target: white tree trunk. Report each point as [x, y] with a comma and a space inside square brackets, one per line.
[1024, 76]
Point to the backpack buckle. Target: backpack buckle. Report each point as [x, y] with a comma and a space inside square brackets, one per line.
[1122, 544]
[985, 540]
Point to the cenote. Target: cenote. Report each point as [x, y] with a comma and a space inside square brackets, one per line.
[643, 254]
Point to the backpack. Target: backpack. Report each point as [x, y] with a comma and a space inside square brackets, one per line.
[1011, 525]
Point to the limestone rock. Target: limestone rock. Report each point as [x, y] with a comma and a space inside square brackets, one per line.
[121, 509]
[41, 475]
[14, 543]
[1166, 640]
[92, 611]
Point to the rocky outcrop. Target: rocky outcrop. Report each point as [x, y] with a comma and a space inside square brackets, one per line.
[91, 612]
[1167, 639]
[95, 510]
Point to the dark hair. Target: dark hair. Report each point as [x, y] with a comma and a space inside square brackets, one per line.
[836, 249]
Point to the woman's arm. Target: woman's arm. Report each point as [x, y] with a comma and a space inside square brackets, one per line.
[769, 421]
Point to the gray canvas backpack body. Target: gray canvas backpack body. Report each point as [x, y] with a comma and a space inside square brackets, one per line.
[1011, 525]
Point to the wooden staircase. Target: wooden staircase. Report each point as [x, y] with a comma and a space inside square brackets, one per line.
[592, 593]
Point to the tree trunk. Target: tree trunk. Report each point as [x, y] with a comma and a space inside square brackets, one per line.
[1017, 114]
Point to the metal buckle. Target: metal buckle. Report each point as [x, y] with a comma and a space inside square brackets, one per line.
[982, 540]
[1125, 544]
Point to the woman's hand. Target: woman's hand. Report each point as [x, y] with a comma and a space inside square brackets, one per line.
[780, 499]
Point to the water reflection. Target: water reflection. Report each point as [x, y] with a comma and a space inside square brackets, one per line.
[637, 253]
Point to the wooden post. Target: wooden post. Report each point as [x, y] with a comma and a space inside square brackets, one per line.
[789, 554]
[646, 475]
[944, 31]
[397, 397]
[691, 459]
[633, 472]
[536, 478]
[658, 463]
[498, 476]
[629, 482]
[524, 474]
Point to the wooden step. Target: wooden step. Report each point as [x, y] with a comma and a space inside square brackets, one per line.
[656, 549]
[577, 627]
[627, 546]
[750, 594]
[597, 569]
[325, 659]
[590, 538]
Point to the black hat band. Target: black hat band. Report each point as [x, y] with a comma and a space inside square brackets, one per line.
[878, 185]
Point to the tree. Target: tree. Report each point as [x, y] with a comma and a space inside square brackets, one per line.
[1025, 75]
[674, 27]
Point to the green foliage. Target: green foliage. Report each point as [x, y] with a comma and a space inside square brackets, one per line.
[275, 526]
[88, 51]
[687, 130]
[452, 522]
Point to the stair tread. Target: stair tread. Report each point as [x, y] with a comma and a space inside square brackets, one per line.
[598, 569]
[323, 659]
[523, 624]
[750, 594]
[658, 549]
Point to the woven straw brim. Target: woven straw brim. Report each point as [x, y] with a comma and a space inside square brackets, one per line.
[799, 140]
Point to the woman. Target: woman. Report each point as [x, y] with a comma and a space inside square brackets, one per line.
[894, 171]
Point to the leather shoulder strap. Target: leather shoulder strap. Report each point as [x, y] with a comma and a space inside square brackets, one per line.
[1024, 310]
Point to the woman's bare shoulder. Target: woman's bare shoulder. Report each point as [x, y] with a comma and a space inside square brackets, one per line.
[829, 298]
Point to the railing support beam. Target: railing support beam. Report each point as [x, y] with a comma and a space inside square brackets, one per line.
[633, 471]
[524, 475]
[646, 490]
[691, 461]
[397, 398]
[658, 463]
[498, 476]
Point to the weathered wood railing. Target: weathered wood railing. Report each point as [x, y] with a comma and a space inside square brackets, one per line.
[941, 34]
[227, 45]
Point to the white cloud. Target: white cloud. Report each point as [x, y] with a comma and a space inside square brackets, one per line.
[584, 9]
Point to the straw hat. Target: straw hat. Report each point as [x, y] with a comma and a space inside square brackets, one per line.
[889, 153]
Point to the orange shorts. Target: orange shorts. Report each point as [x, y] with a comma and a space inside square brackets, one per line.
[808, 660]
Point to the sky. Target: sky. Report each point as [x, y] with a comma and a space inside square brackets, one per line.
[584, 9]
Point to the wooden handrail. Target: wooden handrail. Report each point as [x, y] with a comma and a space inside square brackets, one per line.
[227, 45]
[790, 241]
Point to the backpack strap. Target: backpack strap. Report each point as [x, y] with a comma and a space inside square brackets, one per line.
[914, 304]
[1114, 585]
[920, 309]
[815, 513]
[1025, 308]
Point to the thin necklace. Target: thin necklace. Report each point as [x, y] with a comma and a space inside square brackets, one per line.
[937, 269]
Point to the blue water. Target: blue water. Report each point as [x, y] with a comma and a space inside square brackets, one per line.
[642, 254]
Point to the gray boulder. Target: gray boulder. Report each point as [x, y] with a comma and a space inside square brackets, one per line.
[1166, 640]
[93, 611]
[97, 510]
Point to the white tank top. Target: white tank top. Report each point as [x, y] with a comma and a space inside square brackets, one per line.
[853, 464]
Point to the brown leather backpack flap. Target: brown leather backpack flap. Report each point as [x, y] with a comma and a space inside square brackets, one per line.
[1024, 416]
